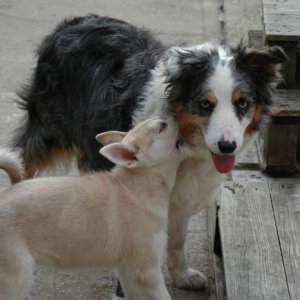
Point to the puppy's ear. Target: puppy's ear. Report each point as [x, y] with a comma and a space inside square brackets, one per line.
[123, 154]
[109, 137]
[263, 63]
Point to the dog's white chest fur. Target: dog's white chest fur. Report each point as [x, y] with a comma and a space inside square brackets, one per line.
[196, 184]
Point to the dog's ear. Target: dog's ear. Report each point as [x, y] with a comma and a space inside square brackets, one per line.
[263, 63]
[109, 137]
[172, 65]
[181, 62]
[123, 154]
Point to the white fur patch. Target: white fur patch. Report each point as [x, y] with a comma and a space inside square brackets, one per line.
[153, 97]
[224, 121]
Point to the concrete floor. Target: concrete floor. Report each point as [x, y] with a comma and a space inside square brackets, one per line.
[22, 25]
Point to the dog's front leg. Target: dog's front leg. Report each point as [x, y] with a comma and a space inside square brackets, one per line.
[182, 275]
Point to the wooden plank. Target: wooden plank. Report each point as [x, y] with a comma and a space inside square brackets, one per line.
[211, 223]
[280, 20]
[298, 69]
[290, 11]
[279, 143]
[283, 26]
[277, 146]
[280, 16]
[286, 203]
[271, 7]
[286, 103]
[216, 278]
[251, 254]
[298, 147]
[280, 33]
[281, 3]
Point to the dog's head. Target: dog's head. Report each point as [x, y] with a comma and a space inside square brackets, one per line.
[150, 143]
[219, 96]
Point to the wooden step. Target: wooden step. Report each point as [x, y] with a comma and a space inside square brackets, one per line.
[259, 226]
[286, 103]
[279, 142]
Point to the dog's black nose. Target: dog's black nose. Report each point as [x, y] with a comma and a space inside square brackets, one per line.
[227, 147]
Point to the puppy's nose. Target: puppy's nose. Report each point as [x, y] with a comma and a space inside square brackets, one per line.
[227, 147]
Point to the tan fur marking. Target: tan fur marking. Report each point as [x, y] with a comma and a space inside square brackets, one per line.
[188, 124]
[236, 96]
[256, 119]
[55, 155]
[211, 98]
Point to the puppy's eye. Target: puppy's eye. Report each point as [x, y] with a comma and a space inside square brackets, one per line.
[205, 104]
[163, 126]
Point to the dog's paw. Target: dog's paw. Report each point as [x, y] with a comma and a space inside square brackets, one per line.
[189, 279]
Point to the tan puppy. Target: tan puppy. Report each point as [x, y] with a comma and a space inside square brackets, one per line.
[115, 219]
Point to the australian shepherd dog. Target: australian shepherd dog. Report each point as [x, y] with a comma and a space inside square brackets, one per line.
[96, 74]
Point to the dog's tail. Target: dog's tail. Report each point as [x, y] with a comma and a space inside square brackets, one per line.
[11, 163]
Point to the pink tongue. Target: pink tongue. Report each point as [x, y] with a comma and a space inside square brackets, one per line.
[223, 163]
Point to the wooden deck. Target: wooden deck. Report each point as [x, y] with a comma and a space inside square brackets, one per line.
[257, 236]
[279, 142]
[260, 236]
[282, 20]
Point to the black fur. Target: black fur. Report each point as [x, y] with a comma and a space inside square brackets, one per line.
[186, 84]
[258, 68]
[89, 76]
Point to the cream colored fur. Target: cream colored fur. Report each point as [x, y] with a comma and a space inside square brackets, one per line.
[112, 220]
[11, 163]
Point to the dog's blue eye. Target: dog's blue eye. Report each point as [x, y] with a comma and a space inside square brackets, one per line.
[243, 104]
[202, 108]
[205, 104]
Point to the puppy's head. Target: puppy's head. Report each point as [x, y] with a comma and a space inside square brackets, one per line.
[152, 142]
[219, 96]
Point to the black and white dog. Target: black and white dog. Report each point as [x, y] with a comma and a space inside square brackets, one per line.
[97, 74]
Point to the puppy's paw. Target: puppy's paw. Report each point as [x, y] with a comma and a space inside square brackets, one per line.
[189, 279]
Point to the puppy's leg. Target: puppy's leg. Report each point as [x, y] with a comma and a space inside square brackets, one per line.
[183, 276]
[16, 270]
[146, 284]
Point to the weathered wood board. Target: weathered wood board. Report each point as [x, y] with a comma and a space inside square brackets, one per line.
[278, 144]
[252, 259]
[286, 103]
[281, 20]
[298, 146]
[286, 205]
[277, 148]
